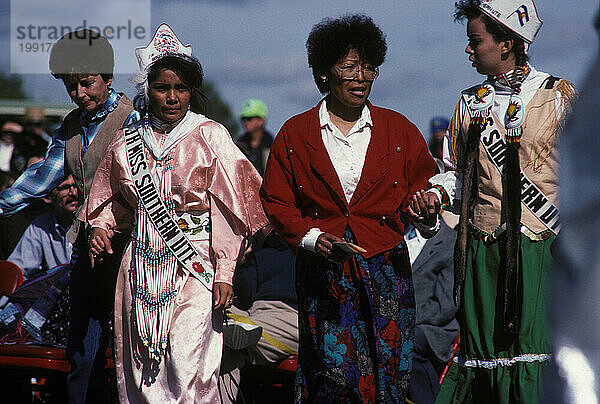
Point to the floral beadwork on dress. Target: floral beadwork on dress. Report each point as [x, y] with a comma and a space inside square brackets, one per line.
[196, 227]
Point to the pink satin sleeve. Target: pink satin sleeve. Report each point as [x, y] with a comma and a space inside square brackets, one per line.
[227, 243]
[107, 206]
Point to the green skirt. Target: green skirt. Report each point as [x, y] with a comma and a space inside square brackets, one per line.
[493, 367]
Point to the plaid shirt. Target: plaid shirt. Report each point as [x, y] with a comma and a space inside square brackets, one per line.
[42, 177]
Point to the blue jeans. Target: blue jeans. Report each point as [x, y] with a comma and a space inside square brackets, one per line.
[92, 292]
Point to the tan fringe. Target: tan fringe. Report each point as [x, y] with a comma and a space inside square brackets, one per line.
[569, 92]
[569, 95]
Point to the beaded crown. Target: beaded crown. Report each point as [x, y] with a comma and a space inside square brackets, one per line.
[164, 43]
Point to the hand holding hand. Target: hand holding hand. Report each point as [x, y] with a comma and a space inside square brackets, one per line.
[99, 243]
[424, 207]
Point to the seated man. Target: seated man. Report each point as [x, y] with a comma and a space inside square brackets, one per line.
[44, 245]
[264, 286]
[42, 254]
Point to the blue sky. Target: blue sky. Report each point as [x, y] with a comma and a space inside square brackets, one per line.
[257, 49]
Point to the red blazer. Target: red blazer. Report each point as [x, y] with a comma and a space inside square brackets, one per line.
[301, 189]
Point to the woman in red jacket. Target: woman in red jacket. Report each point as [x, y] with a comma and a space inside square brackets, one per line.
[348, 171]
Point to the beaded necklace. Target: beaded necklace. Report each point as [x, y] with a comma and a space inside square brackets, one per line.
[155, 268]
[515, 113]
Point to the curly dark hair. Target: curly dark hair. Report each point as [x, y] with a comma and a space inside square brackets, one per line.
[189, 71]
[82, 52]
[469, 9]
[332, 39]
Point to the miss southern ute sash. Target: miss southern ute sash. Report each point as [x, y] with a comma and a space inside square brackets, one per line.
[495, 147]
[169, 231]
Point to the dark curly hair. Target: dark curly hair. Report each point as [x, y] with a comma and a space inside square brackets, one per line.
[189, 71]
[332, 39]
[469, 9]
[82, 52]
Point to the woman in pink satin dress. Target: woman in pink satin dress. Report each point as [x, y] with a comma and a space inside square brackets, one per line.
[168, 312]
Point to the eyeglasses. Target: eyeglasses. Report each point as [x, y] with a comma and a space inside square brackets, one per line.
[349, 71]
[66, 187]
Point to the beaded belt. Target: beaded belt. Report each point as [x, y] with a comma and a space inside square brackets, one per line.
[491, 238]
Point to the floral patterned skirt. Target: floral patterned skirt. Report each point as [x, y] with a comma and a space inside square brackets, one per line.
[357, 322]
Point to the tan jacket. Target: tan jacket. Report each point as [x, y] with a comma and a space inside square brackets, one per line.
[537, 154]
